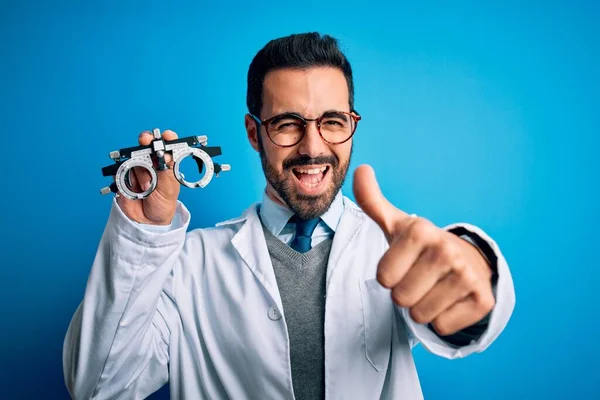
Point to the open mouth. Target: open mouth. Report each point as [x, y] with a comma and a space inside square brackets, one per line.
[310, 176]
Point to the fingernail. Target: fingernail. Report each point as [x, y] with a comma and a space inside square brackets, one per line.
[146, 186]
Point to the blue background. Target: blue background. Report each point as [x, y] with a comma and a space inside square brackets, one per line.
[480, 113]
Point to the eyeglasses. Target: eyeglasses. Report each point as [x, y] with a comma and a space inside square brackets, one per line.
[288, 129]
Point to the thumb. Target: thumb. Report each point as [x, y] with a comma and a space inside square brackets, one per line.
[167, 184]
[373, 203]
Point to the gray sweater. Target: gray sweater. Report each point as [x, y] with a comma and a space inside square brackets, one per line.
[301, 281]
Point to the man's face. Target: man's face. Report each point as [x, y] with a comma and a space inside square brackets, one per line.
[305, 177]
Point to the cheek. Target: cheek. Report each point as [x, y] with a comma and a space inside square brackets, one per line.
[276, 156]
[343, 153]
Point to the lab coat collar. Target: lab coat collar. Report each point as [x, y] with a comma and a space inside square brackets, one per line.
[276, 216]
[250, 243]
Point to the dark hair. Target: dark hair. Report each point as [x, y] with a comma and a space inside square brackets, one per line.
[295, 51]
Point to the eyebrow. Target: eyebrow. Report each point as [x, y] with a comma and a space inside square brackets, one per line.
[283, 115]
[329, 113]
[335, 113]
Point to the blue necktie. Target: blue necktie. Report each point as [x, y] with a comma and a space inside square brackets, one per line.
[304, 231]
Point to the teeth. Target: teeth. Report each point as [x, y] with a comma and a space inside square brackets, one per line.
[311, 171]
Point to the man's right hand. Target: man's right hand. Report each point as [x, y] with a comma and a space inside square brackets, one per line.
[158, 208]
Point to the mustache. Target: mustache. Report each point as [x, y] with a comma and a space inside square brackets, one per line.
[303, 161]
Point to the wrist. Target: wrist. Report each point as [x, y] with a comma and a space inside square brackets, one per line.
[482, 247]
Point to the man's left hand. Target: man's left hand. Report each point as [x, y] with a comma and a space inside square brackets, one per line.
[441, 278]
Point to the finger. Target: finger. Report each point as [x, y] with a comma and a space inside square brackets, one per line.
[396, 262]
[445, 293]
[169, 135]
[422, 277]
[464, 313]
[167, 186]
[369, 197]
[142, 177]
[135, 178]
[411, 237]
[133, 182]
[145, 138]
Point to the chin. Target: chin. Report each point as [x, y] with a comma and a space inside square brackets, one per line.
[308, 206]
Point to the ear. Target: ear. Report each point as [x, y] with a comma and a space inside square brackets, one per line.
[252, 131]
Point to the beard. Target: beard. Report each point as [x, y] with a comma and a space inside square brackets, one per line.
[304, 206]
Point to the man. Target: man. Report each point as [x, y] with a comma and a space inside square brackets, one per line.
[305, 295]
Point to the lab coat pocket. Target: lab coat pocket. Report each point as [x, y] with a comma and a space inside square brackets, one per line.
[378, 313]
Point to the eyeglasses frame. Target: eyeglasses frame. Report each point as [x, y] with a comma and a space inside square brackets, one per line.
[352, 114]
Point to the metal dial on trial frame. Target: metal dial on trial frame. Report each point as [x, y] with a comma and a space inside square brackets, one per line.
[181, 152]
[142, 159]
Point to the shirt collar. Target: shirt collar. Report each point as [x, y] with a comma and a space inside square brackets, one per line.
[276, 216]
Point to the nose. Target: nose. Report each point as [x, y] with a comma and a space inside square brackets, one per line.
[312, 143]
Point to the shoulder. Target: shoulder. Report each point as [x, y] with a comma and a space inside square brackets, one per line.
[225, 229]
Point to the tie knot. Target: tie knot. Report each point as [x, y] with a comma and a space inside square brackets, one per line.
[304, 231]
[306, 227]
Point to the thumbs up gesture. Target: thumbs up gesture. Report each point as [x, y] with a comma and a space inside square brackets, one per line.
[441, 278]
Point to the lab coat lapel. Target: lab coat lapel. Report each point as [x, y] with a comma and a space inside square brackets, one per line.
[251, 246]
[351, 222]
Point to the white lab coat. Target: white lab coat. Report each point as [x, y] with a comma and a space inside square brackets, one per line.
[202, 310]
